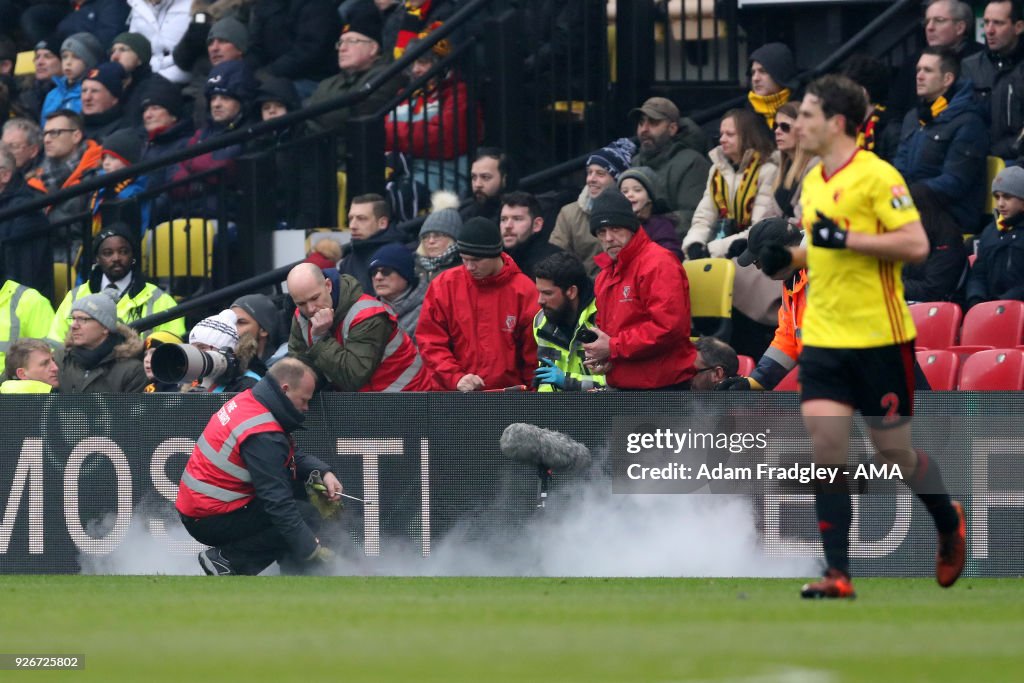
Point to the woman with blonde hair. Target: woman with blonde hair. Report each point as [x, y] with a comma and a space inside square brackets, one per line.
[739, 189]
[793, 163]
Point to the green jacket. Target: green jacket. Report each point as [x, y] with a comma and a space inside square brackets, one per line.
[24, 312]
[142, 299]
[120, 372]
[684, 173]
[569, 358]
[343, 83]
[347, 366]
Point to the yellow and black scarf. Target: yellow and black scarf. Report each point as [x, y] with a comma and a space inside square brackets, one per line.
[767, 105]
[740, 205]
[930, 112]
[866, 139]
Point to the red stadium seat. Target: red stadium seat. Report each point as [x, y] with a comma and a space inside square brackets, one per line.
[747, 366]
[995, 370]
[937, 323]
[994, 323]
[940, 367]
[791, 382]
[964, 352]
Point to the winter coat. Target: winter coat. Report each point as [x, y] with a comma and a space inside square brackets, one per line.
[164, 25]
[999, 86]
[102, 18]
[88, 166]
[99, 126]
[948, 154]
[532, 252]
[224, 158]
[62, 96]
[662, 231]
[163, 142]
[432, 125]
[684, 173]
[995, 275]
[31, 96]
[481, 327]
[572, 232]
[28, 261]
[938, 278]
[294, 39]
[643, 304]
[344, 83]
[119, 372]
[124, 190]
[350, 366]
[703, 229]
[355, 260]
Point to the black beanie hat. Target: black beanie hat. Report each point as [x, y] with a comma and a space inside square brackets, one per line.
[611, 209]
[125, 144]
[365, 19]
[777, 60]
[118, 229]
[163, 95]
[480, 237]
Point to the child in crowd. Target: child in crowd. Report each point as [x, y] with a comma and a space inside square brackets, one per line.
[79, 53]
[996, 274]
[121, 149]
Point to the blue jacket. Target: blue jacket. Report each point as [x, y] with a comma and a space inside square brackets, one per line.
[62, 96]
[998, 272]
[105, 19]
[948, 154]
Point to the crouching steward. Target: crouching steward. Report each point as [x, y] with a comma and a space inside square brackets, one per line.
[349, 337]
[238, 491]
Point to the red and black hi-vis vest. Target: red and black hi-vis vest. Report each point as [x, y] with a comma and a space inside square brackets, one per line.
[215, 480]
[401, 368]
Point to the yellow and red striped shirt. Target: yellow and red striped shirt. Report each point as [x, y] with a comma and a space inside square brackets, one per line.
[855, 301]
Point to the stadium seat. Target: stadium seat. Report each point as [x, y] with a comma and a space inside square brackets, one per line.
[747, 365]
[937, 323]
[791, 382]
[941, 367]
[995, 165]
[64, 277]
[24, 64]
[995, 370]
[711, 283]
[192, 253]
[994, 323]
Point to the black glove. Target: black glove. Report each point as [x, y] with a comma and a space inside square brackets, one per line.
[733, 384]
[826, 233]
[773, 258]
[736, 247]
[697, 250]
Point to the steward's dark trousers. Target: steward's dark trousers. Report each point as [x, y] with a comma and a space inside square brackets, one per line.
[248, 539]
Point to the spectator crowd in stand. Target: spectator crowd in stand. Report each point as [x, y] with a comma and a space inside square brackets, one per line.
[502, 289]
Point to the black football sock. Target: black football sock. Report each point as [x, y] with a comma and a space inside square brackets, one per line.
[927, 485]
[832, 503]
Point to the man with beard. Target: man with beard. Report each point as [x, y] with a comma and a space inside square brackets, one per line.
[521, 225]
[672, 149]
[567, 312]
[487, 178]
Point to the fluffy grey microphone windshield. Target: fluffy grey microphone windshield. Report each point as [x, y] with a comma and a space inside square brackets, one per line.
[533, 445]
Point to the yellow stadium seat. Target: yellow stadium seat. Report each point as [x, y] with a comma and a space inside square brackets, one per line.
[995, 165]
[25, 63]
[192, 239]
[342, 199]
[711, 285]
[64, 276]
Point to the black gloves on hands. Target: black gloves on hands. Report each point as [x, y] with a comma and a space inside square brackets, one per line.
[697, 250]
[736, 247]
[826, 233]
[773, 258]
[733, 384]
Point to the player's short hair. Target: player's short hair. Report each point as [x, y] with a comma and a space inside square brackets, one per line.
[381, 208]
[839, 95]
[949, 63]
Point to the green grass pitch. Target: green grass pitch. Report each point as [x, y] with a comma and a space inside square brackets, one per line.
[157, 628]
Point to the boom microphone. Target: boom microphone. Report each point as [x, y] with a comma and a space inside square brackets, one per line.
[537, 446]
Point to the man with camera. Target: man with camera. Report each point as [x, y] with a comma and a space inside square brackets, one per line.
[643, 304]
[352, 339]
[237, 493]
[562, 325]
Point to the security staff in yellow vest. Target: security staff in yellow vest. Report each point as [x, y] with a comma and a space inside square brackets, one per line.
[24, 312]
[567, 311]
[117, 271]
[29, 368]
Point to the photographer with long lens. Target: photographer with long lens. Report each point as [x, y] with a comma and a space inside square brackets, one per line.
[214, 360]
[241, 489]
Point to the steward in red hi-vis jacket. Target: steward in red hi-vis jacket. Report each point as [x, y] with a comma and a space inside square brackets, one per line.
[351, 338]
[238, 490]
